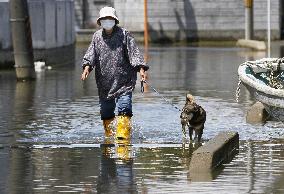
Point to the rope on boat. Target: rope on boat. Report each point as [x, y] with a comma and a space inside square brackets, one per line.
[238, 90]
[273, 75]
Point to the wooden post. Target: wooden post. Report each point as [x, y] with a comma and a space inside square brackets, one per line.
[248, 3]
[249, 19]
[22, 39]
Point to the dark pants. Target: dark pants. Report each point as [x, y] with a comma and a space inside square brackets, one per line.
[124, 106]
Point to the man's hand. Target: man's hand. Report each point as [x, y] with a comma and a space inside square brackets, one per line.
[143, 74]
[85, 73]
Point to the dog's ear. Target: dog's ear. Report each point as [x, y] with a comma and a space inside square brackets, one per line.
[190, 98]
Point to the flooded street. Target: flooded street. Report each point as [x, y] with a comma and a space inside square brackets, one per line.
[50, 130]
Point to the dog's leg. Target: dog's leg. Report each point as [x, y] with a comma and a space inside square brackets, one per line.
[200, 132]
[190, 149]
[199, 138]
[190, 130]
[195, 134]
[183, 130]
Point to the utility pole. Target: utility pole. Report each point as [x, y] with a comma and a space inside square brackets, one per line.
[268, 29]
[146, 39]
[146, 29]
[22, 40]
[249, 19]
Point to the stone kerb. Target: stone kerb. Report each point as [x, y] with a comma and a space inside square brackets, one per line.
[221, 149]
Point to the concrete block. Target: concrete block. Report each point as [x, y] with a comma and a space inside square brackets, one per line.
[205, 176]
[221, 149]
[25, 73]
[253, 44]
[257, 114]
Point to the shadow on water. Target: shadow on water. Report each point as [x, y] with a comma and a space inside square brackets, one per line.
[51, 130]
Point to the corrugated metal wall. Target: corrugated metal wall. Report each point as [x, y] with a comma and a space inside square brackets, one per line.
[52, 23]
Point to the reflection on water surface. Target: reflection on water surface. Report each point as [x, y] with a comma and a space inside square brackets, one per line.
[50, 131]
[149, 169]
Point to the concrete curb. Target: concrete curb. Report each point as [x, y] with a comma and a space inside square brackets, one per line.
[257, 114]
[221, 149]
[253, 44]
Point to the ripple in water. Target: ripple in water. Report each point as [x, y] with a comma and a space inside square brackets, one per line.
[154, 121]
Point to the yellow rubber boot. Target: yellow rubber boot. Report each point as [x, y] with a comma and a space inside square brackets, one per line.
[123, 151]
[123, 127]
[108, 127]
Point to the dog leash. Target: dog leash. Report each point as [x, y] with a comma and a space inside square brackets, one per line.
[142, 90]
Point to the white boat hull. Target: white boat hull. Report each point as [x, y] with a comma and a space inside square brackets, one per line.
[272, 99]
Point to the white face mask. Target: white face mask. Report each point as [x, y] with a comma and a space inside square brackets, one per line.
[107, 23]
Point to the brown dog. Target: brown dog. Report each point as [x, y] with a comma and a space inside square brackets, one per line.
[193, 116]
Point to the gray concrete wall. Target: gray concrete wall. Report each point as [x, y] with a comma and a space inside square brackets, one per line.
[179, 19]
[92, 12]
[204, 19]
[5, 31]
[52, 24]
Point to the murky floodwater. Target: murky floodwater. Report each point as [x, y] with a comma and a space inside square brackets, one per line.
[50, 131]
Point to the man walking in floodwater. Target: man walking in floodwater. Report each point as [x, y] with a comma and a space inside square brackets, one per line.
[115, 58]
